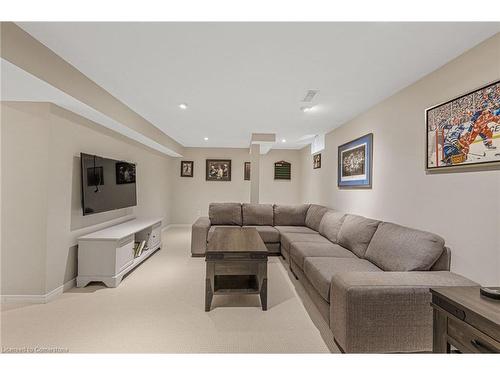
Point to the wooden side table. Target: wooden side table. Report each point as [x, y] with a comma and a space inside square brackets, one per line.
[465, 320]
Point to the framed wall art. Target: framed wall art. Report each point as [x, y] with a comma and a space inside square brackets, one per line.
[187, 168]
[282, 170]
[246, 171]
[464, 131]
[316, 161]
[355, 163]
[218, 170]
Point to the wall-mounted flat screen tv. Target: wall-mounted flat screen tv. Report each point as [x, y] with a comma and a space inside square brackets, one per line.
[107, 184]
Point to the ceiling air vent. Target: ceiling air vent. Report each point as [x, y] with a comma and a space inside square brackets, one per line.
[310, 94]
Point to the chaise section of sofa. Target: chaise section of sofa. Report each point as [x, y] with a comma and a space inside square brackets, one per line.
[384, 312]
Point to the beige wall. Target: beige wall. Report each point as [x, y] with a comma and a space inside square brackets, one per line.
[192, 195]
[24, 199]
[463, 207]
[41, 213]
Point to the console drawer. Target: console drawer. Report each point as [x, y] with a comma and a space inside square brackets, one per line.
[469, 339]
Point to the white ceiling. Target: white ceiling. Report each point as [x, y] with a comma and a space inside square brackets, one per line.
[243, 78]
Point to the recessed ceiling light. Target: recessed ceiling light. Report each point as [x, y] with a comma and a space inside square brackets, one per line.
[183, 106]
[283, 140]
[206, 138]
[307, 109]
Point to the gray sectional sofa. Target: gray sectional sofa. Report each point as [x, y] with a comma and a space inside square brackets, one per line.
[369, 279]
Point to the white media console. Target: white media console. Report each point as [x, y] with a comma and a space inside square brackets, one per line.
[108, 254]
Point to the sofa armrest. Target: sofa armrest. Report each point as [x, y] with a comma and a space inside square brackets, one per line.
[382, 312]
[199, 234]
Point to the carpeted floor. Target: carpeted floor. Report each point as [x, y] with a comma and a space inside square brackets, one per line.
[159, 308]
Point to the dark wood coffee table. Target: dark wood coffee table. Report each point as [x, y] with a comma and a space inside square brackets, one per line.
[236, 264]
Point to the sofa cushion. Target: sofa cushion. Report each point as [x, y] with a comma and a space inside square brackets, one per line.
[320, 270]
[288, 238]
[314, 215]
[225, 213]
[330, 225]
[294, 229]
[212, 229]
[257, 214]
[290, 214]
[267, 232]
[356, 232]
[397, 248]
[301, 250]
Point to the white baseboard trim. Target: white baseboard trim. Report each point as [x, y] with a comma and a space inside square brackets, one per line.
[39, 298]
[169, 226]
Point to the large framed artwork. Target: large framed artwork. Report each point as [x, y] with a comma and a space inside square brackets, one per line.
[355, 163]
[464, 131]
[218, 170]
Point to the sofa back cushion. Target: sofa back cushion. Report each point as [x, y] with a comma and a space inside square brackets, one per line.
[225, 213]
[330, 225]
[356, 232]
[290, 214]
[314, 215]
[397, 248]
[257, 214]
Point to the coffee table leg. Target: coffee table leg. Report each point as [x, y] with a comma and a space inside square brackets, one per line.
[208, 294]
[263, 294]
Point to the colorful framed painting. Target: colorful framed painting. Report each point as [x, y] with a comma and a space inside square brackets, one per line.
[316, 161]
[218, 170]
[355, 163]
[464, 131]
[187, 168]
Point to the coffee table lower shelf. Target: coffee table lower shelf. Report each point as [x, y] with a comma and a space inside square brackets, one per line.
[233, 284]
[236, 284]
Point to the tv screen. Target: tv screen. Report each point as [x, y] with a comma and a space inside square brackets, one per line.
[107, 184]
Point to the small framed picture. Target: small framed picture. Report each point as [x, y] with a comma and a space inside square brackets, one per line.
[246, 171]
[218, 170]
[282, 170]
[187, 168]
[355, 163]
[316, 161]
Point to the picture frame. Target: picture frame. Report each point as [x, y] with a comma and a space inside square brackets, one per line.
[282, 170]
[218, 170]
[464, 132]
[125, 173]
[317, 161]
[246, 171]
[355, 163]
[187, 168]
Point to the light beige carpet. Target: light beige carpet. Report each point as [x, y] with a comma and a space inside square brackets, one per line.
[159, 308]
